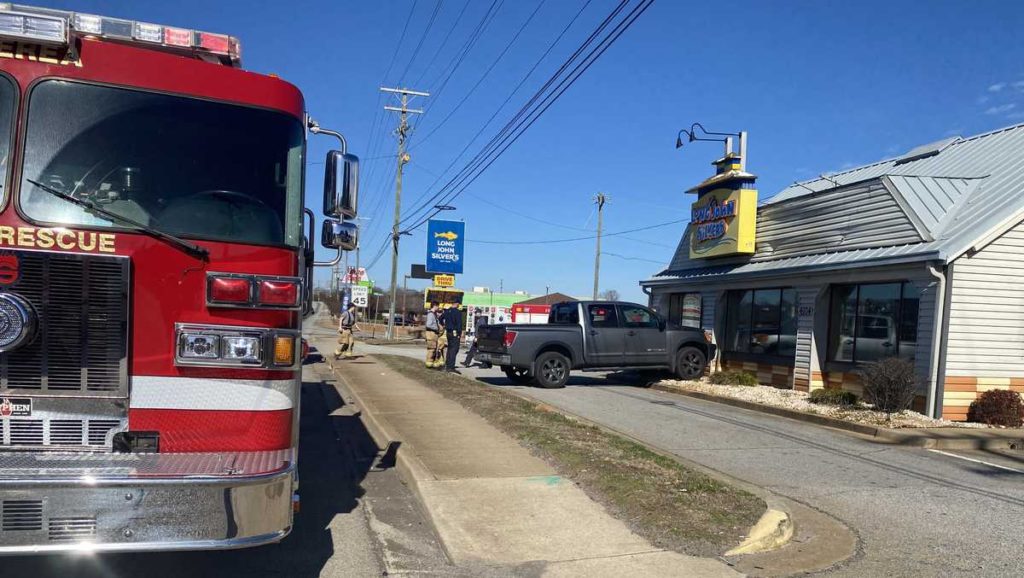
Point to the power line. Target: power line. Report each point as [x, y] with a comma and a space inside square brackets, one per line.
[426, 32]
[630, 258]
[498, 110]
[573, 239]
[483, 76]
[373, 146]
[467, 47]
[515, 128]
[441, 46]
[467, 176]
[512, 123]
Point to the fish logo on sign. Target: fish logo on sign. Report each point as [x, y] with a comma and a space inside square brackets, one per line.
[10, 269]
[446, 235]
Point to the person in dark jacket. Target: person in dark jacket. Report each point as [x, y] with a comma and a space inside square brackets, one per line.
[453, 331]
[479, 320]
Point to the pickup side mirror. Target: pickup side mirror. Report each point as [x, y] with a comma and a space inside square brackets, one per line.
[662, 324]
[341, 185]
[339, 235]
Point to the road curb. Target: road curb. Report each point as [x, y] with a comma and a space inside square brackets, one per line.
[410, 469]
[797, 548]
[877, 434]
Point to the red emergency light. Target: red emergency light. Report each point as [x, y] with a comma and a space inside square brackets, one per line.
[230, 290]
[282, 293]
[245, 290]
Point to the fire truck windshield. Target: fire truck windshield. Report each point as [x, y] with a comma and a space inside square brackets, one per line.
[184, 166]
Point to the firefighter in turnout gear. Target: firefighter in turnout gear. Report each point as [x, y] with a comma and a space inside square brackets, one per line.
[346, 325]
[433, 332]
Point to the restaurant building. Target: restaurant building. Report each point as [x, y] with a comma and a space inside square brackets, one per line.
[919, 257]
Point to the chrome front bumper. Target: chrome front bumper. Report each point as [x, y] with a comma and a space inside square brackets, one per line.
[51, 502]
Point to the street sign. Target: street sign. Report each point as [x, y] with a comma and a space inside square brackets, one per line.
[360, 295]
[419, 272]
[444, 280]
[355, 275]
[445, 246]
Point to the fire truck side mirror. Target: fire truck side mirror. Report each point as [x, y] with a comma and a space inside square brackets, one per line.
[340, 235]
[341, 185]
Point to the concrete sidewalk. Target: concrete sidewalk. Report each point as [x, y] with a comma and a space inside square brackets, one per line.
[490, 500]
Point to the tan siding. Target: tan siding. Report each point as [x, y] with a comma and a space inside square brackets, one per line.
[986, 314]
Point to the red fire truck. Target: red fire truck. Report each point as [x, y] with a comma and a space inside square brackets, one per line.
[155, 259]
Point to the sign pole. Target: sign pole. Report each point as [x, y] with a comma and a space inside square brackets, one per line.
[600, 200]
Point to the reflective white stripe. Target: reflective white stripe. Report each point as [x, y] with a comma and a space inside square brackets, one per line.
[151, 392]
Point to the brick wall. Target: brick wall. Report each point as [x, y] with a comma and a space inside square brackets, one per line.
[767, 373]
[959, 392]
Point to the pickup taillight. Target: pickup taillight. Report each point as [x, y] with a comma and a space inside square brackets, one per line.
[510, 338]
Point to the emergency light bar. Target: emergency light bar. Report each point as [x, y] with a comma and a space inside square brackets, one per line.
[56, 26]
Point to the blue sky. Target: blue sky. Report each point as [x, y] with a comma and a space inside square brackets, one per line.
[820, 85]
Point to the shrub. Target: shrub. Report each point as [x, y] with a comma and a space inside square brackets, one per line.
[733, 377]
[833, 397]
[997, 407]
[889, 384]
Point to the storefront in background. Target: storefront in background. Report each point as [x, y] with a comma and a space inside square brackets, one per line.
[496, 306]
[919, 257]
[536, 310]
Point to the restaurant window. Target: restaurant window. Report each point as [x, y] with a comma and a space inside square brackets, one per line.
[873, 321]
[761, 321]
[685, 309]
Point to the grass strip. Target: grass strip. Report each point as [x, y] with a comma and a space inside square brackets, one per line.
[672, 506]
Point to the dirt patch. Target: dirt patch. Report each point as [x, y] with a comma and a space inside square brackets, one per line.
[671, 506]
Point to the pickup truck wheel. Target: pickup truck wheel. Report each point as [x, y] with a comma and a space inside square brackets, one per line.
[690, 363]
[519, 375]
[552, 370]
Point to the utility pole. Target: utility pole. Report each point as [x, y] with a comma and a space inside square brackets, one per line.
[601, 199]
[402, 132]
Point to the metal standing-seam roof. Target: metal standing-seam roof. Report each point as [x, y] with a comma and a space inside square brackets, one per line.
[958, 193]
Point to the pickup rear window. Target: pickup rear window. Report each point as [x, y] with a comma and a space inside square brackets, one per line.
[564, 314]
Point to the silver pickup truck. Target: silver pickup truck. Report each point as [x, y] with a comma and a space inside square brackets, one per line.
[593, 335]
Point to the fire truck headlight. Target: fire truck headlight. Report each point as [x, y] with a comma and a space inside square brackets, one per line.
[199, 346]
[242, 349]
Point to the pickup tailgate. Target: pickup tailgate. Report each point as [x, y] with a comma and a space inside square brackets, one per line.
[491, 338]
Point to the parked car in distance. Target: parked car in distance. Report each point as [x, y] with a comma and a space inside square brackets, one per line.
[593, 335]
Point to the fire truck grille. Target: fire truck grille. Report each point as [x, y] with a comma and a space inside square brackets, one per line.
[58, 433]
[72, 529]
[80, 344]
[22, 515]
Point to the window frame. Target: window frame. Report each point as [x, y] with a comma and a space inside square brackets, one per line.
[833, 336]
[13, 170]
[653, 317]
[614, 311]
[16, 177]
[729, 313]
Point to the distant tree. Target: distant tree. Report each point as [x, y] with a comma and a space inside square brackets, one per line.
[610, 295]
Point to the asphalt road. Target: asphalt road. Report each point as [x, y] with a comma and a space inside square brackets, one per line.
[917, 512]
